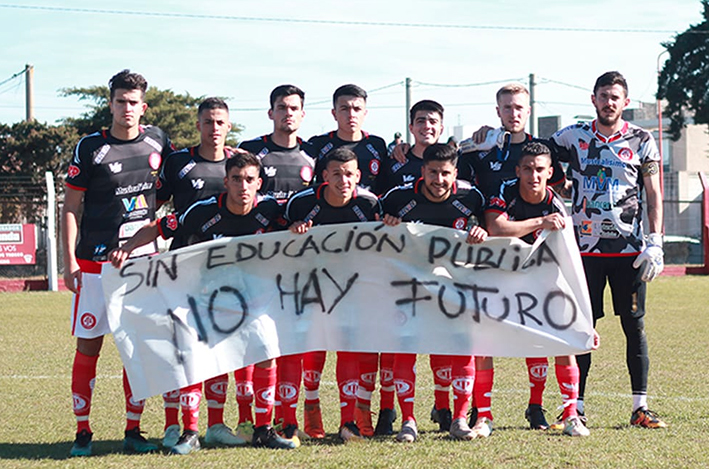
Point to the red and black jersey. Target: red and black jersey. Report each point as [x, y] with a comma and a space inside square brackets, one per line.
[210, 219]
[371, 154]
[399, 174]
[464, 207]
[284, 171]
[310, 204]
[119, 180]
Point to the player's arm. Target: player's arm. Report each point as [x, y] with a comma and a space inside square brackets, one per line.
[651, 260]
[145, 235]
[498, 224]
[300, 227]
[400, 151]
[73, 200]
[476, 235]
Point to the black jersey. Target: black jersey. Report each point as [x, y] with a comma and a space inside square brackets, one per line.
[399, 174]
[371, 153]
[510, 202]
[209, 219]
[464, 207]
[310, 204]
[118, 178]
[284, 171]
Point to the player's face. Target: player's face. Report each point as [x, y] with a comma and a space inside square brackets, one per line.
[127, 107]
[513, 110]
[533, 173]
[349, 113]
[609, 102]
[287, 113]
[242, 184]
[214, 126]
[438, 179]
[342, 179]
[426, 127]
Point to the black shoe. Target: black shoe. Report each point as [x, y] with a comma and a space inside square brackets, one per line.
[535, 416]
[266, 437]
[442, 417]
[349, 433]
[82, 444]
[188, 443]
[136, 443]
[385, 422]
[472, 416]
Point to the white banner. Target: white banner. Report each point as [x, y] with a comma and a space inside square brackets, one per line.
[185, 316]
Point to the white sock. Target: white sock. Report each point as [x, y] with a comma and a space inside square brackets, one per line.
[639, 401]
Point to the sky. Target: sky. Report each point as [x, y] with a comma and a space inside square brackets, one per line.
[458, 52]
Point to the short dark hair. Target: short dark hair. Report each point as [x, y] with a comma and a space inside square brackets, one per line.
[286, 90]
[340, 155]
[610, 79]
[348, 90]
[212, 103]
[440, 152]
[534, 149]
[127, 80]
[425, 105]
[242, 160]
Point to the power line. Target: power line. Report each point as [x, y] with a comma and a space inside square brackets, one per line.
[12, 77]
[465, 85]
[346, 23]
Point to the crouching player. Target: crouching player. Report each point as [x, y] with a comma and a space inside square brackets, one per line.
[524, 207]
[236, 212]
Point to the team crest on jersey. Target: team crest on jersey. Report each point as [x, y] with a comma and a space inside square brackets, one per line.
[154, 160]
[197, 184]
[586, 227]
[171, 222]
[115, 167]
[583, 145]
[625, 154]
[73, 171]
[460, 223]
[374, 167]
[306, 173]
[88, 321]
[270, 171]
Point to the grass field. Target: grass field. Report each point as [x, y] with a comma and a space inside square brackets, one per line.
[38, 426]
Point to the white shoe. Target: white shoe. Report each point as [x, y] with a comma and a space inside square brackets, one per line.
[409, 433]
[460, 430]
[220, 434]
[172, 434]
[482, 428]
[573, 426]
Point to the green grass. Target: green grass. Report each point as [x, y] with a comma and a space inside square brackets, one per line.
[37, 424]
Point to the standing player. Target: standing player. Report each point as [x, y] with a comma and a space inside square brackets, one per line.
[337, 200]
[111, 179]
[237, 212]
[611, 161]
[524, 207]
[437, 199]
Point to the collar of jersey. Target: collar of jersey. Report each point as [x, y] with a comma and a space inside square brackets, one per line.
[613, 137]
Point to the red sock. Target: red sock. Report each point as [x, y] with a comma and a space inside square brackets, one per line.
[134, 409]
[463, 374]
[405, 380]
[313, 363]
[347, 372]
[441, 368]
[171, 403]
[215, 392]
[368, 366]
[482, 391]
[568, 379]
[264, 394]
[290, 370]
[190, 398]
[537, 372]
[245, 392]
[386, 381]
[83, 375]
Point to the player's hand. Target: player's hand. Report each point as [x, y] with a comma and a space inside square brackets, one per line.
[301, 227]
[651, 260]
[118, 256]
[400, 151]
[596, 340]
[554, 221]
[480, 135]
[391, 220]
[72, 277]
[476, 235]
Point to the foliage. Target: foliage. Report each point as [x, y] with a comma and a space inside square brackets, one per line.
[684, 77]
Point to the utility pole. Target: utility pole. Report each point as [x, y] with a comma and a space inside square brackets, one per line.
[532, 114]
[408, 106]
[29, 92]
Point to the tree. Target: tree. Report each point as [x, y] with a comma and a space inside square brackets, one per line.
[685, 75]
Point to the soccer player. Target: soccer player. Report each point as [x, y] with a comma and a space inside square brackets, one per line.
[611, 161]
[187, 176]
[337, 200]
[437, 198]
[523, 208]
[111, 180]
[236, 212]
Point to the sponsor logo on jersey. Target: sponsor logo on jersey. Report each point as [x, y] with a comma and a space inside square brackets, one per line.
[244, 389]
[460, 223]
[213, 221]
[88, 321]
[397, 166]
[444, 374]
[463, 385]
[373, 151]
[495, 165]
[171, 222]
[153, 143]
[583, 145]
[80, 402]
[115, 167]
[625, 154]
[483, 154]
[325, 149]
[600, 182]
[73, 171]
[262, 153]
[608, 229]
[197, 184]
[360, 214]
[403, 387]
[135, 203]
[406, 178]
[287, 391]
[539, 371]
[374, 167]
[154, 160]
[586, 227]
[186, 169]
[101, 153]
[368, 377]
[140, 187]
[306, 173]
[312, 214]
[349, 388]
[267, 395]
[600, 204]
[99, 249]
[311, 376]
[190, 400]
[407, 208]
[602, 162]
[270, 171]
[464, 210]
[261, 219]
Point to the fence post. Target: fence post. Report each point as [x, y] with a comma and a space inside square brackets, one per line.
[52, 272]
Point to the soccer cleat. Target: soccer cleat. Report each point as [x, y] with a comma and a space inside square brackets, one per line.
[221, 435]
[82, 444]
[460, 430]
[643, 417]
[136, 443]
[385, 422]
[188, 443]
[290, 432]
[535, 416]
[573, 426]
[312, 421]
[482, 428]
[442, 417]
[349, 433]
[559, 424]
[266, 437]
[363, 418]
[472, 416]
[172, 434]
[409, 433]
[245, 431]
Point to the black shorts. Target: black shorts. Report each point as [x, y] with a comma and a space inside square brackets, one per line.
[627, 289]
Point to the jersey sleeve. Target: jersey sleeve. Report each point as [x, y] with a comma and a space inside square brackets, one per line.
[165, 184]
[561, 144]
[380, 183]
[648, 149]
[79, 170]
[497, 203]
[168, 226]
[465, 168]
